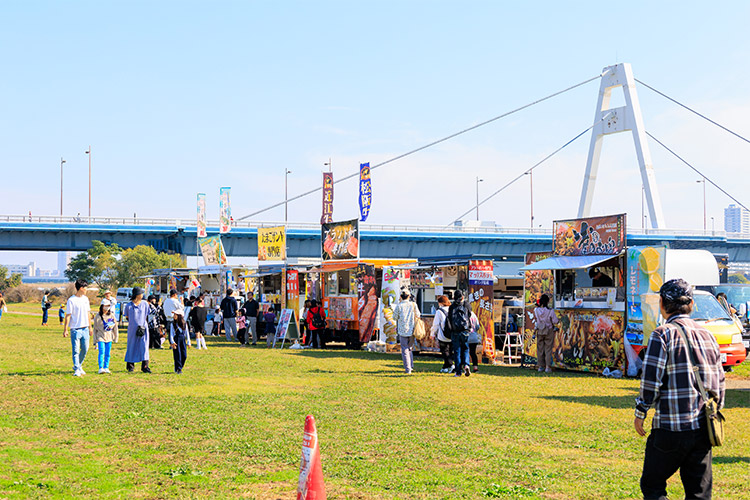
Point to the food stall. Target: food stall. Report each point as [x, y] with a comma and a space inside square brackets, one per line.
[215, 280]
[486, 281]
[590, 335]
[161, 281]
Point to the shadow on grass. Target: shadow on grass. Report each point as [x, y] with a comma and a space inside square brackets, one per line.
[731, 460]
[39, 373]
[615, 402]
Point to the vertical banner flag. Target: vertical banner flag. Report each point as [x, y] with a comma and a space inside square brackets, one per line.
[292, 291]
[225, 211]
[272, 243]
[212, 250]
[327, 216]
[202, 215]
[367, 294]
[365, 191]
[481, 281]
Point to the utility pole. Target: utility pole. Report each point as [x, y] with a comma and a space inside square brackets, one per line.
[286, 195]
[478, 181]
[704, 202]
[88, 152]
[531, 197]
[61, 185]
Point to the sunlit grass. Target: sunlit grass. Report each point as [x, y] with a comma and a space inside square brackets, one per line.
[231, 426]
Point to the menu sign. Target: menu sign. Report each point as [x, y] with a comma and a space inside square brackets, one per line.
[271, 243]
[590, 236]
[481, 300]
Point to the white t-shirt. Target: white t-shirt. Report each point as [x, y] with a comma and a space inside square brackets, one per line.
[79, 310]
[170, 306]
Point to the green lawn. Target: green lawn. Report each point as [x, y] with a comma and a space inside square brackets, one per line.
[231, 426]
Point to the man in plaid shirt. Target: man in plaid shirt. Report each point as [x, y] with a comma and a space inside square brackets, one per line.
[678, 439]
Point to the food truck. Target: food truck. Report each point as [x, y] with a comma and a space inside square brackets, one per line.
[605, 294]
[490, 285]
[215, 280]
[350, 292]
[161, 281]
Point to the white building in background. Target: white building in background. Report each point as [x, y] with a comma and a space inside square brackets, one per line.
[63, 259]
[736, 219]
[27, 271]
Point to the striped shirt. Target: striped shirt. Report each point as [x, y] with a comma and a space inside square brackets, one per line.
[669, 385]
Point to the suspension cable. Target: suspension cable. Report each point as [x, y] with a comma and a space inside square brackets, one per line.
[526, 172]
[694, 111]
[434, 143]
[697, 171]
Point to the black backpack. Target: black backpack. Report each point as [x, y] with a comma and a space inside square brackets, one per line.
[447, 327]
[458, 317]
[318, 321]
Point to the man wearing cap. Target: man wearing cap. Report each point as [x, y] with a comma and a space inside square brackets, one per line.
[137, 313]
[599, 279]
[678, 438]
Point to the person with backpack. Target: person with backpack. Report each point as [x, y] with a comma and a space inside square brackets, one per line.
[46, 304]
[405, 315]
[153, 323]
[316, 324]
[197, 318]
[443, 335]
[459, 319]
[545, 320]
[229, 308]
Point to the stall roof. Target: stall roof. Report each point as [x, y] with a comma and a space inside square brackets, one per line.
[560, 262]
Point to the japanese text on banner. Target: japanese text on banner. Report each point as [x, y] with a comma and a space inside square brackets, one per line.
[327, 216]
[202, 215]
[225, 211]
[272, 243]
[365, 191]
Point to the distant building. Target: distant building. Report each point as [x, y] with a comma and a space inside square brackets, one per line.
[27, 271]
[736, 219]
[63, 259]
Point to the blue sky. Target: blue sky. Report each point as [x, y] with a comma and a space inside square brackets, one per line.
[184, 97]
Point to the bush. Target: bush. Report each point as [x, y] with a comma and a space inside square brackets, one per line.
[24, 293]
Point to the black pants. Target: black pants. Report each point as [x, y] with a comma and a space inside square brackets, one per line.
[318, 338]
[446, 351]
[473, 354]
[130, 366]
[666, 452]
[179, 353]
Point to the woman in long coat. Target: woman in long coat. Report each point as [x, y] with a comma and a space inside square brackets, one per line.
[137, 313]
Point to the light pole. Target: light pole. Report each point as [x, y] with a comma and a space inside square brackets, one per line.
[478, 181]
[286, 195]
[329, 164]
[713, 228]
[88, 152]
[704, 202]
[643, 207]
[530, 173]
[61, 185]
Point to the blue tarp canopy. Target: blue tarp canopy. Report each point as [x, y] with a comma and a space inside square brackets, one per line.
[560, 262]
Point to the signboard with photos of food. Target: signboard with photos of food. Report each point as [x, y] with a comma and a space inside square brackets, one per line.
[340, 240]
[590, 236]
[535, 283]
[481, 300]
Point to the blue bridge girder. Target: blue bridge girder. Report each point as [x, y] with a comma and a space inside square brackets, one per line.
[303, 240]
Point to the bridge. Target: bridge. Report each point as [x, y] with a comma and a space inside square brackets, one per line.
[303, 240]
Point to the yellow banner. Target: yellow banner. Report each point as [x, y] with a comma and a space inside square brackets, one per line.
[272, 243]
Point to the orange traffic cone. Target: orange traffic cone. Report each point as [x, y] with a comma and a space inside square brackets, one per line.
[310, 486]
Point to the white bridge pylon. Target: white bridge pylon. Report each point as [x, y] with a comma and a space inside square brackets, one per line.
[611, 121]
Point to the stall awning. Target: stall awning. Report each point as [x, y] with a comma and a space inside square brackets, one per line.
[567, 262]
[507, 270]
[336, 266]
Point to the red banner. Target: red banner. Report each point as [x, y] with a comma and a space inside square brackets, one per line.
[327, 216]
[481, 298]
[591, 236]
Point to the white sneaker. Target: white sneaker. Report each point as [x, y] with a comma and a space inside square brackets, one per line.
[82, 372]
[106, 370]
[102, 371]
[77, 373]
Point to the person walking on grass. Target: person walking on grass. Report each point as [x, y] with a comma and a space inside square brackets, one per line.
[177, 335]
[169, 306]
[105, 332]
[405, 315]
[137, 313]
[459, 318]
[61, 313]
[197, 318]
[474, 340]
[251, 308]
[46, 304]
[78, 321]
[545, 320]
[440, 332]
[229, 309]
[679, 436]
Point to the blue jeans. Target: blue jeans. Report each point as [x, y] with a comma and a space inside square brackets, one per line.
[79, 340]
[45, 315]
[461, 350]
[104, 350]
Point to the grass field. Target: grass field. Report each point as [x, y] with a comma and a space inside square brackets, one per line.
[231, 426]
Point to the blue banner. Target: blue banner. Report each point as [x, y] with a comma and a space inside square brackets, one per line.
[365, 191]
